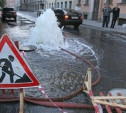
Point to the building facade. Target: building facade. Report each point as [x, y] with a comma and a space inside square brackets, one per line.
[32, 5]
[60, 4]
[17, 4]
[10, 3]
[86, 7]
[90, 9]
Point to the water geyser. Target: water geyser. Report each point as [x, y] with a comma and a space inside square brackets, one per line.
[46, 33]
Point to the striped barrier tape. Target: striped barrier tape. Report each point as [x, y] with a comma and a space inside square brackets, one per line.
[42, 90]
[46, 96]
[22, 53]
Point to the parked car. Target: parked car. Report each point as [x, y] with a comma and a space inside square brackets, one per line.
[39, 12]
[68, 17]
[9, 13]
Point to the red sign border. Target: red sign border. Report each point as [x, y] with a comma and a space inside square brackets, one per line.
[34, 83]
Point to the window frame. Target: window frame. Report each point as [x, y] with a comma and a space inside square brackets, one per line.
[79, 2]
[109, 2]
[124, 1]
[86, 2]
[65, 4]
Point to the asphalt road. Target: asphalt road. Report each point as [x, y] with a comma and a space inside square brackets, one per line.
[60, 73]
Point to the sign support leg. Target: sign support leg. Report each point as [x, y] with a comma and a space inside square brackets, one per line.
[21, 101]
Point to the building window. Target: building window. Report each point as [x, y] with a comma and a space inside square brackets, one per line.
[65, 4]
[86, 2]
[41, 6]
[61, 4]
[85, 16]
[58, 5]
[123, 1]
[79, 3]
[52, 5]
[70, 4]
[49, 5]
[109, 1]
[55, 4]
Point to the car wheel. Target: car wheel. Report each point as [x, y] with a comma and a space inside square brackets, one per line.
[76, 26]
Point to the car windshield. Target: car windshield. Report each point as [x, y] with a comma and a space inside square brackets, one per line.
[70, 11]
[8, 9]
[58, 11]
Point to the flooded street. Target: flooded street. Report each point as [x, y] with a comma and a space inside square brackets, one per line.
[60, 73]
[110, 46]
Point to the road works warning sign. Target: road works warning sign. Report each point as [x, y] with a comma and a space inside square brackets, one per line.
[14, 71]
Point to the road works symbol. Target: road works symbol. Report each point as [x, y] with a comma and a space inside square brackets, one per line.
[14, 71]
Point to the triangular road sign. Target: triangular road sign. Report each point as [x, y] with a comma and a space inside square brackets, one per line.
[14, 71]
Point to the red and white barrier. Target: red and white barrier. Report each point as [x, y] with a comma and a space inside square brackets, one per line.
[46, 96]
[22, 53]
[97, 110]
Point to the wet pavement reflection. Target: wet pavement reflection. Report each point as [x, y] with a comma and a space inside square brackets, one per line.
[61, 74]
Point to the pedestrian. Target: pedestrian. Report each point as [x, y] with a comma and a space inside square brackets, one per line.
[106, 15]
[7, 68]
[116, 12]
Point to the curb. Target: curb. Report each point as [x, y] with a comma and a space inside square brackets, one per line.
[104, 29]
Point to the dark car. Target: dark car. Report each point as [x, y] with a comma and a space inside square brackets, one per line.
[68, 17]
[9, 13]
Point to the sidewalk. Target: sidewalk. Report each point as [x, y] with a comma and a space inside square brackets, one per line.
[94, 24]
[98, 25]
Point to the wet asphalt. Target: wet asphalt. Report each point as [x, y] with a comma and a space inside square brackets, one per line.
[61, 74]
